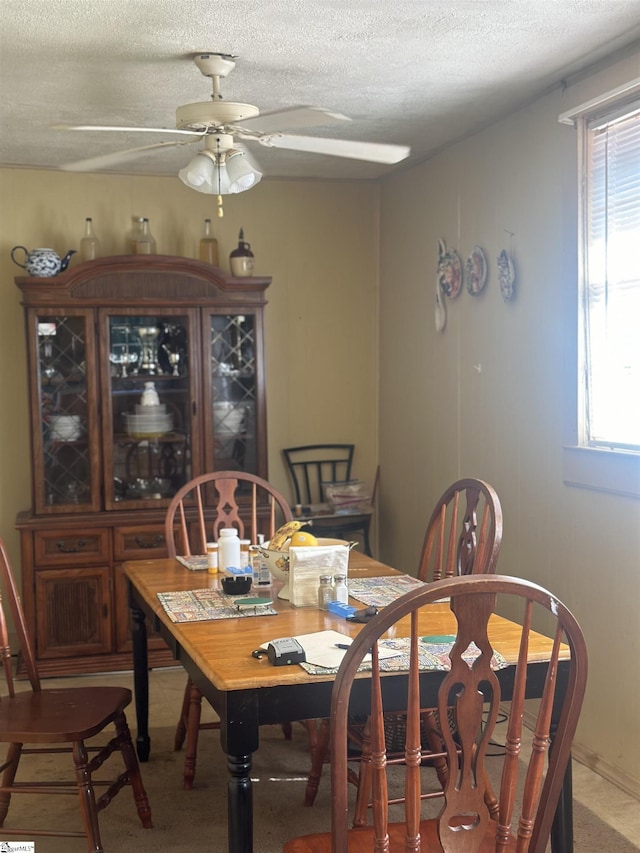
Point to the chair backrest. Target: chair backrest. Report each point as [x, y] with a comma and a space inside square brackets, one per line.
[464, 532]
[471, 806]
[311, 465]
[9, 593]
[211, 501]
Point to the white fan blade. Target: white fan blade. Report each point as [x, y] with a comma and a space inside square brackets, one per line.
[291, 118]
[124, 129]
[105, 160]
[375, 152]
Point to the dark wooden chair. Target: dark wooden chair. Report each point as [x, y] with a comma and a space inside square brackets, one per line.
[60, 720]
[473, 816]
[463, 537]
[195, 515]
[311, 466]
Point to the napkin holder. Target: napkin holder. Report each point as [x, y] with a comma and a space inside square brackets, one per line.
[307, 563]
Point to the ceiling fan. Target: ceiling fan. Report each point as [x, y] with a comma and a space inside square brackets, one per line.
[223, 165]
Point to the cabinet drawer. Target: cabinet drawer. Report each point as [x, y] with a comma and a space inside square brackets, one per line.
[139, 543]
[70, 547]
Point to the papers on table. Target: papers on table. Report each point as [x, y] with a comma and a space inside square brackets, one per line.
[198, 605]
[321, 649]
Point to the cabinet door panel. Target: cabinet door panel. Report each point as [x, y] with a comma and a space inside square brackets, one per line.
[234, 392]
[65, 431]
[151, 434]
[73, 612]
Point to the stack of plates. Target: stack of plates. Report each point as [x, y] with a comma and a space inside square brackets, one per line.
[149, 421]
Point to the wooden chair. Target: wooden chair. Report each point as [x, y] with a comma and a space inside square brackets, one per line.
[313, 465]
[60, 720]
[195, 516]
[463, 537]
[464, 532]
[472, 815]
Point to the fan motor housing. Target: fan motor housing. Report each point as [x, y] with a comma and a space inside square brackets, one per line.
[208, 114]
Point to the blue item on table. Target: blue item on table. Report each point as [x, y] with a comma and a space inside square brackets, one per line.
[340, 609]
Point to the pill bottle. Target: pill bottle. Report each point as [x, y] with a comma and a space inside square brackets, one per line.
[212, 558]
[245, 555]
[228, 549]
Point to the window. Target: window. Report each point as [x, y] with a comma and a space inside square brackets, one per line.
[606, 449]
[610, 305]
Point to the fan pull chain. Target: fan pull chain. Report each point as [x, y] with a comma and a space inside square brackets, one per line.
[218, 167]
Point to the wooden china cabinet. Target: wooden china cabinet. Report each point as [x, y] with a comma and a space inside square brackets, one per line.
[144, 371]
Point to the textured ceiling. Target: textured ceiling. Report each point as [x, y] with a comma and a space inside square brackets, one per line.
[416, 72]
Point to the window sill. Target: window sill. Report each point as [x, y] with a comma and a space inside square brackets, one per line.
[602, 470]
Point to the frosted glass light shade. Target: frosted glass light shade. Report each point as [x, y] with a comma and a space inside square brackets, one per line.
[198, 174]
[207, 174]
[242, 174]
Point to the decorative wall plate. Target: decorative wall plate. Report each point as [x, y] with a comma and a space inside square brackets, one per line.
[476, 271]
[441, 309]
[506, 275]
[449, 271]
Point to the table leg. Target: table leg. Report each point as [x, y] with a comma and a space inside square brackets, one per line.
[239, 738]
[240, 804]
[562, 828]
[140, 681]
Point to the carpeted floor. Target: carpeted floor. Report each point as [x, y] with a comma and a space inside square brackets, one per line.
[185, 822]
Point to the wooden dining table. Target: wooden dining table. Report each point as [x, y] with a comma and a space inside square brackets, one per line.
[247, 692]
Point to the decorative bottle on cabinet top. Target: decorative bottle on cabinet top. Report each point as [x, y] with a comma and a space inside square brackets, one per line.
[89, 245]
[208, 249]
[145, 243]
[241, 259]
[132, 237]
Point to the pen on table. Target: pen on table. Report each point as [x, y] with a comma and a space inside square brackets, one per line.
[343, 645]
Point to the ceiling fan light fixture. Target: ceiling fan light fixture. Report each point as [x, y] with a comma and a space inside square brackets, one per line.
[220, 173]
[241, 172]
[198, 174]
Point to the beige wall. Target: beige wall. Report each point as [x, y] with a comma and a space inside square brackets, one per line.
[318, 241]
[490, 397]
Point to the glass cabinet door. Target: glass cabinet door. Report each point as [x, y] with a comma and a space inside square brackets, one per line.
[233, 386]
[66, 473]
[150, 406]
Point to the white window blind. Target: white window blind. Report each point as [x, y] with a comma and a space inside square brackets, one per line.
[611, 289]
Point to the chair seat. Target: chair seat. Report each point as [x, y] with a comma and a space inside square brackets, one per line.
[361, 840]
[60, 715]
[342, 526]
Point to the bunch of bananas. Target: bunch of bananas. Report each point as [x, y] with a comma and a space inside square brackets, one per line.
[282, 534]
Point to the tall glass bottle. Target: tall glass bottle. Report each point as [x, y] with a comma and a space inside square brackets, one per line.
[136, 231]
[208, 249]
[145, 244]
[89, 245]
